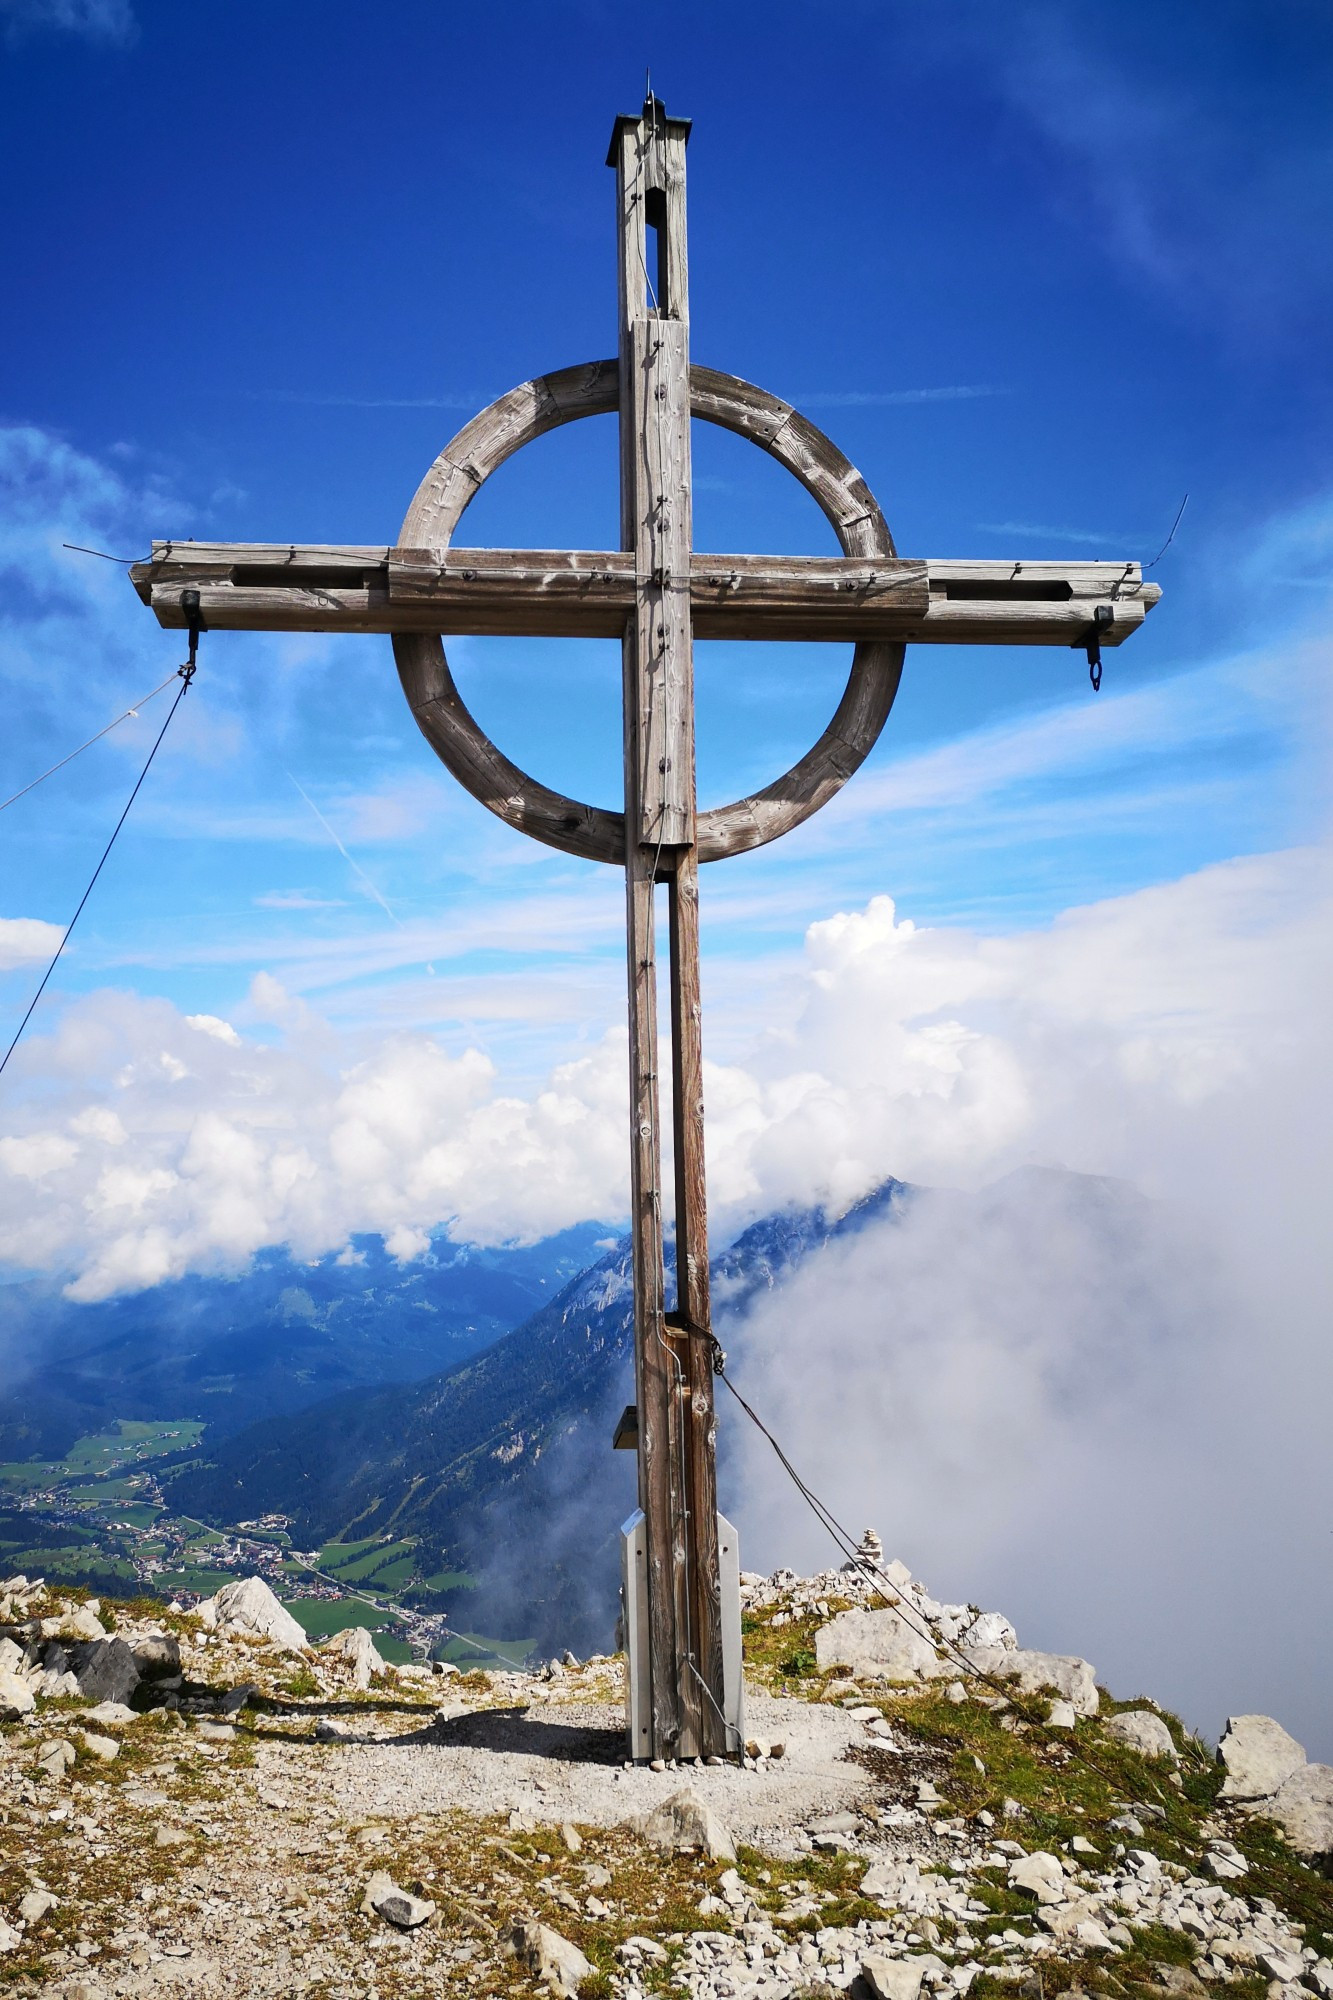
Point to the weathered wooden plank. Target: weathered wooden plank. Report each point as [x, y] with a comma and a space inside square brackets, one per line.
[580, 593]
[677, 1488]
[692, 1343]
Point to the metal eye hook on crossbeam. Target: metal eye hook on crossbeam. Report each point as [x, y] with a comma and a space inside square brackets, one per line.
[194, 625]
[1102, 616]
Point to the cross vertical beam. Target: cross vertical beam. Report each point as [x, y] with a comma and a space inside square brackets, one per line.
[672, 1352]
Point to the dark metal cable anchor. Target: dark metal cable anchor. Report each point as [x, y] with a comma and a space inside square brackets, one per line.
[1102, 616]
[194, 626]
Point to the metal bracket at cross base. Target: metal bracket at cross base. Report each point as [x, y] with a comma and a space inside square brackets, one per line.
[681, 1578]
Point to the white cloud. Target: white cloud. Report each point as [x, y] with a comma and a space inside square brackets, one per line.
[940, 1055]
[27, 941]
[211, 1024]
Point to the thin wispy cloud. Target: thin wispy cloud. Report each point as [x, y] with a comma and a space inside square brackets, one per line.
[297, 899]
[354, 865]
[1035, 531]
[465, 401]
[856, 399]
[94, 20]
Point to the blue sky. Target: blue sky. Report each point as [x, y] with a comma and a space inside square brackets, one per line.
[1039, 271]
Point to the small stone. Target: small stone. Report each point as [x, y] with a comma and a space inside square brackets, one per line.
[1079, 1845]
[1283, 1965]
[757, 1746]
[1139, 1729]
[10, 1939]
[1040, 1875]
[549, 1957]
[683, 1824]
[55, 1756]
[82, 1623]
[237, 1698]
[383, 1898]
[37, 1904]
[1226, 1862]
[111, 1714]
[16, 1699]
[215, 1732]
[100, 1746]
[775, 1751]
[171, 1836]
[571, 1836]
[893, 1978]
[1061, 1715]
[956, 1693]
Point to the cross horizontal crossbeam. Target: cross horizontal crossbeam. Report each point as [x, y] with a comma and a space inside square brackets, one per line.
[591, 594]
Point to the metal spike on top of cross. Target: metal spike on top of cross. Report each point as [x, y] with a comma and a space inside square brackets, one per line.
[655, 594]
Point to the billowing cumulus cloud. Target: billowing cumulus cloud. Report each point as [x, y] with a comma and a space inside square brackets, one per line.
[1125, 1038]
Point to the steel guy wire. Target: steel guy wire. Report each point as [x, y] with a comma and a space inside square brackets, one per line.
[186, 674]
[124, 716]
[923, 1629]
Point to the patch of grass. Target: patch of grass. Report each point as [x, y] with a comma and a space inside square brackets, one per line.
[779, 1655]
[300, 1685]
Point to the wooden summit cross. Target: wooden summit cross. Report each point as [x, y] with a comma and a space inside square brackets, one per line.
[654, 594]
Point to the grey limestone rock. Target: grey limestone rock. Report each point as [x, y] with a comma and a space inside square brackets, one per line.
[250, 1607]
[355, 1648]
[1258, 1755]
[548, 1956]
[1303, 1808]
[1041, 1875]
[16, 1697]
[990, 1628]
[105, 1669]
[893, 1978]
[1139, 1729]
[383, 1898]
[158, 1655]
[879, 1645]
[1075, 1679]
[684, 1824]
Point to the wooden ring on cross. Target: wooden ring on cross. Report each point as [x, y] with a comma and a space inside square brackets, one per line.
[595, 832]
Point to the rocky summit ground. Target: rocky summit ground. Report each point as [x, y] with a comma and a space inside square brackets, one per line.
[197, 1804]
